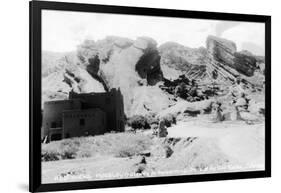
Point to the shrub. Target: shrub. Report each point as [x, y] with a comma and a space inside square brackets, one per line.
[69, 148]
[50, 155]
[138, 122]
[69, 152]
[169, 119]
[132, 146]
[125, 151]
[152, 119]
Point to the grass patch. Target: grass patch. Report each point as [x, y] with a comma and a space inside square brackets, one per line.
[118, 145]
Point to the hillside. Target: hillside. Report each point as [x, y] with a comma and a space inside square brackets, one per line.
[139, 67]
[192, 147]
[209, 102]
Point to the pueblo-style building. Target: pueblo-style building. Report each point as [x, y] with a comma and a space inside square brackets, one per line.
[83, 114]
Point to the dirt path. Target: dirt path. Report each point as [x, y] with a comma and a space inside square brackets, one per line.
[202, 144]
[242, 142]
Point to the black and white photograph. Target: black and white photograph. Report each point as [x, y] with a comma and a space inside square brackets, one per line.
[133, 96]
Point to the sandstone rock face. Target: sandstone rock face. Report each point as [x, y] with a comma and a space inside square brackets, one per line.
[224, 51]
[244, 63]
[97, 55]
[195, 63]
[138, 68]
[94, 65]
[123, 63]
[145, 43]
[63, 74]
[54, 62]
[189, 61]
[148, 65]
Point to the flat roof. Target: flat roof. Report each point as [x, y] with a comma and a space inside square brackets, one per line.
[82, 110]
[62, 101]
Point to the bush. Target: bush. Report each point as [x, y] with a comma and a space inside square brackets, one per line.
[132, 146]
[125, 151]
[138, 122]
[151, 119]
[169, 119]
[65, 149]
[50, 155]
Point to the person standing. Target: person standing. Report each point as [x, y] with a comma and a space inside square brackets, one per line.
[162, 130]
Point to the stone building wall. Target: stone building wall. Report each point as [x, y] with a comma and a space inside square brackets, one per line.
[77, 123]
[63, 117]
[52, 114]
[111, 102]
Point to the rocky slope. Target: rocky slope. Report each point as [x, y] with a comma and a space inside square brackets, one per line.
[61, 74]
[138, 67]
[219, 61]
[189, 61]
[132, 66]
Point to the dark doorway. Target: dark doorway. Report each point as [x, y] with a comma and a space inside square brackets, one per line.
[53, 125]
[82, 122]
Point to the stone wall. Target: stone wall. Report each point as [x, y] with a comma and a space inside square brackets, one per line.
[77, 123]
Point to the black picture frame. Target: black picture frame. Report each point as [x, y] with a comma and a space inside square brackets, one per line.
[36, 8]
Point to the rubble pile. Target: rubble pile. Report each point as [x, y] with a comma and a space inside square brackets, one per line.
[189, 89]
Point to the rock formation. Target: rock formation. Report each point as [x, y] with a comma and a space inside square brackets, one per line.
[224, 51]
[62, 74]
[116, 62]
[189, 61]
[138, 67]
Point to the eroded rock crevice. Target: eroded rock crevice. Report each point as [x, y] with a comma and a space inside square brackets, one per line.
[93, 68]
[148, 66]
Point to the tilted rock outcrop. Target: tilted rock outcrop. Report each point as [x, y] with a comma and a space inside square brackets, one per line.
[219, 62]
[225, 51]
[222, 50]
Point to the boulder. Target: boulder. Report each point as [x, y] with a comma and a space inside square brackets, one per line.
[245, 63]
[183, 106]
[162, 130]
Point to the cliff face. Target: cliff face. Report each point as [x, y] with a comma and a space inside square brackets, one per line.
[125, 64]
[114, 54]
[115, 62]
[224, 51]
[62, 74]
[138, 66]
[219, 61]
[221, 49]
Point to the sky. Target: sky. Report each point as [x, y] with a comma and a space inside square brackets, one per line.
[63, 31]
